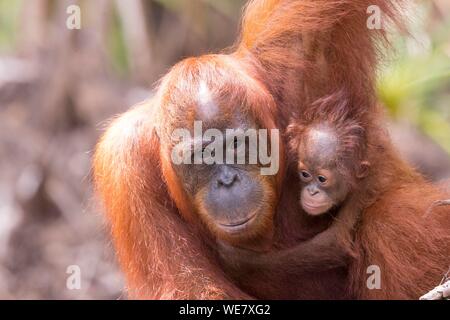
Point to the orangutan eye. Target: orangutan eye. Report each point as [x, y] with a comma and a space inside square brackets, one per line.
[322, 179]
[305, 174]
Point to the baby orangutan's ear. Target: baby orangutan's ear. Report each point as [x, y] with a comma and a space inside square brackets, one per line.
[293, 134]
[293, 130]
[363, 171]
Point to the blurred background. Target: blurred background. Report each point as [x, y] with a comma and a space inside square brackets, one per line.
[58, 87]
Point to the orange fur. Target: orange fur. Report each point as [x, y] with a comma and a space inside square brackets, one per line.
[301, 51]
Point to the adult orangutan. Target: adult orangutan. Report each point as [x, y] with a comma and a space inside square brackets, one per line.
[167, 218]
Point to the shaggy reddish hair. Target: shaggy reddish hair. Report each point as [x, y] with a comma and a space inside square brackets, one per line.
[300, 51]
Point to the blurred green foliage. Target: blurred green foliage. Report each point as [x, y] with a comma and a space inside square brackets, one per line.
[116, 41]
[228, 8]
[117, 47]
[9, 19]
[415, 85]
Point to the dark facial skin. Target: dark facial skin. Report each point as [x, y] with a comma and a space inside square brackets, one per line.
[233, 200]
[322, 186]
[229, 198]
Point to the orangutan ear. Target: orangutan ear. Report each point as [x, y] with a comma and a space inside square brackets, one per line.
[293, 135]
[292, 130]
[364, 169]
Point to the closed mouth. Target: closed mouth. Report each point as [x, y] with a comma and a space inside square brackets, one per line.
[236, 226]
[308, 206]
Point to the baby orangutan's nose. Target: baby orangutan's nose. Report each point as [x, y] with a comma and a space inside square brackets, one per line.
[313, 190]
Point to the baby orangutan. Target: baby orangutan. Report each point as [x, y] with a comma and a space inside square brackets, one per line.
[332, 166]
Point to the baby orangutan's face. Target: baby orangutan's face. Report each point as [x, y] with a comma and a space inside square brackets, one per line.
[322, 189]
[322, 186]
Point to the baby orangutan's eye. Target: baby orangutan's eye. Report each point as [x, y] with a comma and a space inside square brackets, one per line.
[305, 174]
[322, 179]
